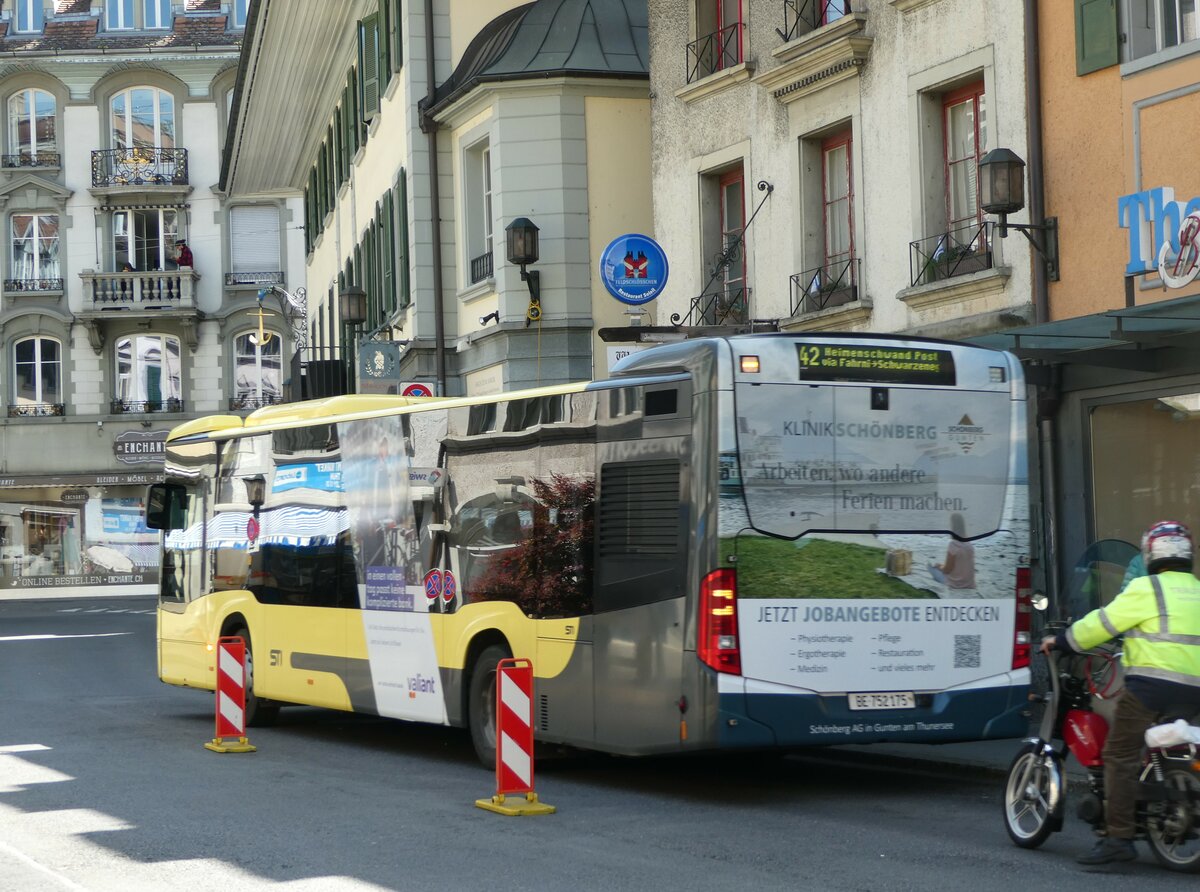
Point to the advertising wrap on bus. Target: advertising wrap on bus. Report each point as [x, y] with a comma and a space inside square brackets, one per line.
[876, 532]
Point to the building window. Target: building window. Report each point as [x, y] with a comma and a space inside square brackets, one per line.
[478, 165]
[720, 38]
[258, 371]
[37, 373]
[1153, 25]
[725, 299]
[838, 200]
[126, 15]
[239, 13]
[144, 238]
[965, 137]
[143, 118]
[27, 16]
[149, 374]
[35, 251]
[254, 244]
[32, 130]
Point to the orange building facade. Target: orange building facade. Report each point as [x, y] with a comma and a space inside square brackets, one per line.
[1116, 357]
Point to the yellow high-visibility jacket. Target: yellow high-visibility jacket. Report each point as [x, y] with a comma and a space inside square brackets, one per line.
[1160, 618]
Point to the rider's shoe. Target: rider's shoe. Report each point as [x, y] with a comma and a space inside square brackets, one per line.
[1109, 850]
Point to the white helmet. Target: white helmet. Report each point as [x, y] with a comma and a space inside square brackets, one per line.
[1167, 540]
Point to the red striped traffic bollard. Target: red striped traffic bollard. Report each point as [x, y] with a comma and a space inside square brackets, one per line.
[231, 698]
[514, 741]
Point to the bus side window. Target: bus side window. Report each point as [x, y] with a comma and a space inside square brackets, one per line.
[640, 544]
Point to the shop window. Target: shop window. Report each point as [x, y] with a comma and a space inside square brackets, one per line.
[149, 375]
[37, 377]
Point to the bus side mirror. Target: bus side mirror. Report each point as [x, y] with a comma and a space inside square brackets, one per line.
[165, 506]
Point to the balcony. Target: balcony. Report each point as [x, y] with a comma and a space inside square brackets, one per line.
[824, 287]
[958, 252]
[825, 42]
[318, 372]
[167, 406]
[232, 280]
[32, 161]
[33, 286]
[726, 306]
[143, 166]
[714, 52]
[158, 290]
[481, 267]
[37, 410]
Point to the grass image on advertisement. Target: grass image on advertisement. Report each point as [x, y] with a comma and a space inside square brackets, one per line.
[818, 568]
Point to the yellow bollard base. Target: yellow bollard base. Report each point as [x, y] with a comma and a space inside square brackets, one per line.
[219, 745]
[527, 806]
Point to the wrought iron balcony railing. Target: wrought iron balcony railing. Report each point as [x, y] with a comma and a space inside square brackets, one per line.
[714, 52]
[120, 407]
[265, 278]
[246, 403]
[37, 410]
[140, 167]
[954, 253]
[481, 267]
[823, 287]
[727, 306]
[32, 285]
[802, 16]
[32, 159]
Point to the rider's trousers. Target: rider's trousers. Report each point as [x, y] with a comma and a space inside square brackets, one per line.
[1123, 764]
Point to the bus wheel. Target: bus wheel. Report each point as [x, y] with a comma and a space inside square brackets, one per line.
[481, 703]
[258, 713]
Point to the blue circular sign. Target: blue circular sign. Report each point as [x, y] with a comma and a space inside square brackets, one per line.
[634, 269]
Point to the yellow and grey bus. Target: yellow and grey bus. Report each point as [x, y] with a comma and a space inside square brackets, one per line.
[750, 541]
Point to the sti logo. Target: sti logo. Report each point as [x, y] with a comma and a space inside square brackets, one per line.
[420, 684]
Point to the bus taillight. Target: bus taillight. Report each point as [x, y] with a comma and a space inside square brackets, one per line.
[717, 639]
[1022, 647]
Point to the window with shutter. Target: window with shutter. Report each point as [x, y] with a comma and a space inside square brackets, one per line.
[1096, 35]
[254, 239]
[384, 44]
[397, 53]
[308, 227]
[368, 66]
[389, 254]
[402, 238]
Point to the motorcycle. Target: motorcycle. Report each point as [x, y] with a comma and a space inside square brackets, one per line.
[1168, 808]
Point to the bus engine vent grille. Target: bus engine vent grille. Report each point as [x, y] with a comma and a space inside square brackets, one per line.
[639, 508]
[543, 712]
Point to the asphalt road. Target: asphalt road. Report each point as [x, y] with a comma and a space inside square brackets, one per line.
[105, 785]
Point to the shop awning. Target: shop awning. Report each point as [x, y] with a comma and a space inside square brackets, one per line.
[1122, 338]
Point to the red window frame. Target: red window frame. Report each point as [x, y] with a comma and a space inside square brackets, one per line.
[974, 93]
[845, 138]
[722, 24]
[735, 272]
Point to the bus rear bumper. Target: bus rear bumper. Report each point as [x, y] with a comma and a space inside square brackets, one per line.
[793, 719]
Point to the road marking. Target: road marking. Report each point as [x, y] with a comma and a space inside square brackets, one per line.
[70, 610]
[36, 865]
[46, 637]
[22, 748]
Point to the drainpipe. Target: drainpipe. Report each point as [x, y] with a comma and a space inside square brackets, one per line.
[430, 127]
[1048, 394]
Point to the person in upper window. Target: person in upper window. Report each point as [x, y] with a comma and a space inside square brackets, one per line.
[183, 254]
[1159, 615]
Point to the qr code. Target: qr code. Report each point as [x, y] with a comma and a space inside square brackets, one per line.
[966, 651]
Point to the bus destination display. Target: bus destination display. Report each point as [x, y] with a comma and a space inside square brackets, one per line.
[875, 363]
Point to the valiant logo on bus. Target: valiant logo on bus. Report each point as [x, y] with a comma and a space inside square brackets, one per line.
[967, 434]
[421, 684]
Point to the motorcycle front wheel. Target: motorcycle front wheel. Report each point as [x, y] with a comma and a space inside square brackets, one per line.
[1033, 797]
[1173, 825]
